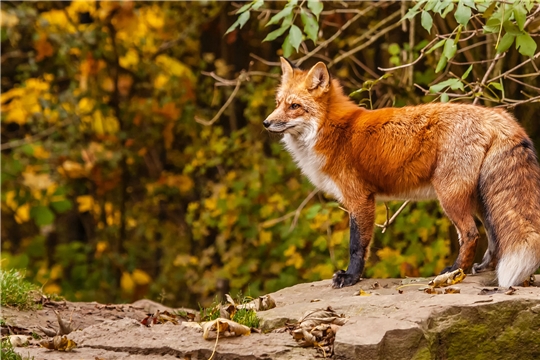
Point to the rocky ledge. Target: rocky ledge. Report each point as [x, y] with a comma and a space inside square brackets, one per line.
[384, 322]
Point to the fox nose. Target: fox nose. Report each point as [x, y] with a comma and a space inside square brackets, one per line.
[266, 123]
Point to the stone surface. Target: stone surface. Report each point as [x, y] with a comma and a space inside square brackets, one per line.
[385, 325]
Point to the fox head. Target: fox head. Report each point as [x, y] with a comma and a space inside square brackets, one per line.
[300, 99]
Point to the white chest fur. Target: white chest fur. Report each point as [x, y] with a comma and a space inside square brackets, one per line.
[311, 163]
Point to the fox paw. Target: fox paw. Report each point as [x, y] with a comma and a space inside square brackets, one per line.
[342, 279]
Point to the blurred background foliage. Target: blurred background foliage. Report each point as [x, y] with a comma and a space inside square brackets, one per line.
[117, 186]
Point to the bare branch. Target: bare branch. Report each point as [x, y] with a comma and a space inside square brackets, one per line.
[297, 212]
[223, 108]
[333, 37]
[34, 138]
[388, 222]
[367, 43]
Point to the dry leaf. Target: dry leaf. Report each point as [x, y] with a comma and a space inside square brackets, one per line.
[449, 278]
[451, 290]
[65, 326]
[18, 340]
[432, 290]
[510, 291]
[313, 318]
[361, 293]
[226, 328]
[60, 343]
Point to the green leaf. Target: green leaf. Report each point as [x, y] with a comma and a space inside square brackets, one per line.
[526, 45]
[427, 21]
[244, 8]
[42, 215]
[311, 26]
[444, 97]
[61, 206]
[454, 84]
[316, 7]
[313, 211]
[295, 37]
[414, 10]
[436, 46]
[441, 6]
[469, 3]
[287, 10]
[447, 10]
[511, 28]
[242, 19]
[520, 14]
[496, 85]
[462, 14]
[257, 4]
[441, 64]
[449, 49]
[393, 49]
[466, 73]
[276, 33]
[287, 47]
[505, 43]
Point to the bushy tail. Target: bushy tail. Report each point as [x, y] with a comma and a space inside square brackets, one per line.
[509, 188]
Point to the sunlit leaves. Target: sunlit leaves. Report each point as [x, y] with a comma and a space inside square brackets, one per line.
[240, 22]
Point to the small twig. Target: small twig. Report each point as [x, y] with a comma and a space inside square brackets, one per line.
[333, 37]
[299, 209]
[366, 44]
[239, 81]
[217, 338]
[34, 138]
[388, 222]
[522, 83]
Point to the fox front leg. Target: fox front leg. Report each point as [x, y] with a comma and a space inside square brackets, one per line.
[361, 228]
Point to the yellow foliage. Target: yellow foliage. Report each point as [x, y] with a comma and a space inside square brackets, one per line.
[160, 81]
[37, 182]
[56, 272]
[127, 283]
[174, 67]
[85, 203]
[101, 246]
[337, 238]
[130, 59]
[52, 288]
[22, 214]
[8, 20]
[140, 277]
[57, 21]
[265, 237]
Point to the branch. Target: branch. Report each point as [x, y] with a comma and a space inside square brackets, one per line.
[296, 214]
[367, 43]
[333, 37]
[34, 138]
[388, 222]
[223, 108]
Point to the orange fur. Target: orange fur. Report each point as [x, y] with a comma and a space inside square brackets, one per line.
[474, 160]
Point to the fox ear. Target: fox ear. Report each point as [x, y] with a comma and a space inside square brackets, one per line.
[318, 77]
[286, 69]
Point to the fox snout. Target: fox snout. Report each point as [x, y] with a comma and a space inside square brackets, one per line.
[267, 123]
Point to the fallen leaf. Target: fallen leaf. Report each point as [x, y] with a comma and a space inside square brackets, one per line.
[451, 290]
[361, 293]
[225, 328]
[511, 290]
[60, 343]
[449, 278]
[18, 340]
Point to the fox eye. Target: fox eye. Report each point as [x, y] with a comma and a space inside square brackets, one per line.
[294, 106]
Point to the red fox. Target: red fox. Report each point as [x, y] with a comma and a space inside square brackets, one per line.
[474, 160]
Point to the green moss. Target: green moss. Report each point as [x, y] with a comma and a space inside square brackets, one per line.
[506, 330]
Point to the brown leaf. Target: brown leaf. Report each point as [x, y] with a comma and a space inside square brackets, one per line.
[224, 327]
[60, 343]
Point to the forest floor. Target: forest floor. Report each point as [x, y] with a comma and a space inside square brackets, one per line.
[384, 320]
